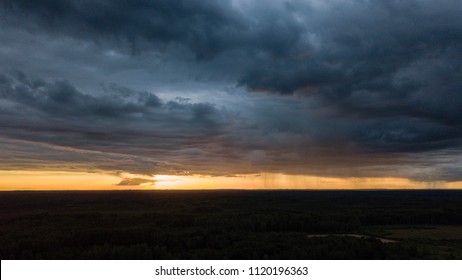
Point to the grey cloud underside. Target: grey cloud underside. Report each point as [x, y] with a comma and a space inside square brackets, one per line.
[121, 121]
[341, 88]
[135, 182]
[136, 132]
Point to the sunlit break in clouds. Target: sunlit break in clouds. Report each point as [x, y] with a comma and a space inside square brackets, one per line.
[166, 94]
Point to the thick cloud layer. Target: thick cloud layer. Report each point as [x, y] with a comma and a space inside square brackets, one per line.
[338, 88]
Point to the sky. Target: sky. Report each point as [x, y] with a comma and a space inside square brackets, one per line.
[146, 94]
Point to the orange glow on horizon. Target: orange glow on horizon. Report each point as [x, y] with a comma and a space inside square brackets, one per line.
[54, 180]
[285, 181]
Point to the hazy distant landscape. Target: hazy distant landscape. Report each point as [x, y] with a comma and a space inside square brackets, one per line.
[231, 225]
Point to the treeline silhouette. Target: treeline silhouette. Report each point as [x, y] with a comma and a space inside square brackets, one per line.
[221, 224]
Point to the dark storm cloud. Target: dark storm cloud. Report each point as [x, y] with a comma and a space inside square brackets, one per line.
[204, 26]
[342, 88]
[122, 122]
[62, 128]
[62, 99]
[346, 53]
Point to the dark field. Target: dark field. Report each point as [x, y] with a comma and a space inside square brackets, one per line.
[231, 225]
